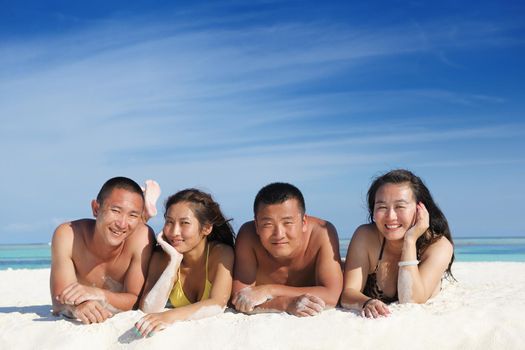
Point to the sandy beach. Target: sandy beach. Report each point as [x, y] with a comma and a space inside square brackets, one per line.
[483, 310]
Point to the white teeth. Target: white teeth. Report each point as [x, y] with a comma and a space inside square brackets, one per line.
[392, 226]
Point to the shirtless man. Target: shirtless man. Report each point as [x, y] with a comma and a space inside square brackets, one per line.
[284, 259]
[98, 267]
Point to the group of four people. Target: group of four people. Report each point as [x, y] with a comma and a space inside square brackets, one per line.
[282, 261]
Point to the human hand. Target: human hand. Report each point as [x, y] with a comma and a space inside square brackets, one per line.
[151, 323]
[248, 298]
[306, 305]
[421, 224]
[375, 308]
[91, 311]
[168, 248]
[76, 293]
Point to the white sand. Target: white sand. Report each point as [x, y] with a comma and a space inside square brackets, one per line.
[484, 310]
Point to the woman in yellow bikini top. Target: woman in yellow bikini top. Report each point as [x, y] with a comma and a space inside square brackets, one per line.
[191, 269]
[178, 298]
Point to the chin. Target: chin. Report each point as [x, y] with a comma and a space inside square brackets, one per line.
[115, 242]
[394, 236]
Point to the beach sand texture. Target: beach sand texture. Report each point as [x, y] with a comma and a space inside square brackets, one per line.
[484, 310]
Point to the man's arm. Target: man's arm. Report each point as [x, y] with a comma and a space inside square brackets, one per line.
[329, 275]
[245, 266]
[62, 267]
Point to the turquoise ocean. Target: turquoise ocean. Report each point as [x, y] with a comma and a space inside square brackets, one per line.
[38, 256]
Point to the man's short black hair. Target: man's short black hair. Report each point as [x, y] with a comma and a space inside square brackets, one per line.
[118, 182]
[277, 193]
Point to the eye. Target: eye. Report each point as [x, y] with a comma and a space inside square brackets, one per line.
[288, 223]
[185, 223]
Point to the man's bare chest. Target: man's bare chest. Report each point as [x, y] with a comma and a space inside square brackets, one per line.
[295, 275]
[106, 275]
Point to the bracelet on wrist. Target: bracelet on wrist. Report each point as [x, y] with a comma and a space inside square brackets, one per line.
[408, 263]
[366, 302]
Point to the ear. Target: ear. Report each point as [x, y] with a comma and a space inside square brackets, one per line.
[206, 230]
[305, 222]
[95, 207]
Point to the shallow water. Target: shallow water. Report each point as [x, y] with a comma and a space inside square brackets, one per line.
[37, 256]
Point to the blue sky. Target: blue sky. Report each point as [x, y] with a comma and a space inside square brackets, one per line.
[228, 96]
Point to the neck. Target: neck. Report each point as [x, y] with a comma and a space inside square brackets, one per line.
[394, 247]
[195, 256]
[102, 250]
[296, 255]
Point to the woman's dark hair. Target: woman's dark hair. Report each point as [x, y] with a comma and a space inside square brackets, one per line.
[438, 223]
[207, 212]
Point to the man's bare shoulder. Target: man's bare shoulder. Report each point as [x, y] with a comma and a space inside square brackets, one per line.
[68, 230]
[321, 230]
[247, 233]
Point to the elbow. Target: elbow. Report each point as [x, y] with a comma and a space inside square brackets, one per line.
[332, 299]
[408, 298]
[347, 301]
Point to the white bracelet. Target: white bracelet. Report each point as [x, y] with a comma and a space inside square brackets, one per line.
[408, 263]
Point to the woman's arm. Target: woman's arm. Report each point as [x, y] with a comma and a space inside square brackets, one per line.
[161, 277]
[357, 267]
[417, 282]
[222, 257]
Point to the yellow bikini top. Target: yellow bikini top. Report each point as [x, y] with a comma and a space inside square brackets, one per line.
[178, 298]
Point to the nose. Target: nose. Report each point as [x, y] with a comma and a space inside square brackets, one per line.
[278, 232]
[391, 213]
[172, 230]
[121, 221]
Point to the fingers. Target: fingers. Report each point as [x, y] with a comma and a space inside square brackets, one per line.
[246, 300]
[243, 303]
[149, 324]
[422, 211]
[76, 294]
[307, 305]
[235, 297]
[316, 300]
[65, 296]
[81, 317]
[92, 312]
[375, 309]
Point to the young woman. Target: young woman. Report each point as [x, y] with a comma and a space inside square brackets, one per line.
[191, 269]
[403, 253]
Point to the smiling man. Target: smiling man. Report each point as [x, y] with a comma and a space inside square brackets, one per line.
[284, 259]
[98, 266]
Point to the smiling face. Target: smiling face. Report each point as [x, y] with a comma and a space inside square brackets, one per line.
[182, 229]
[394, 210]
[281, 227]
[118, 216]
